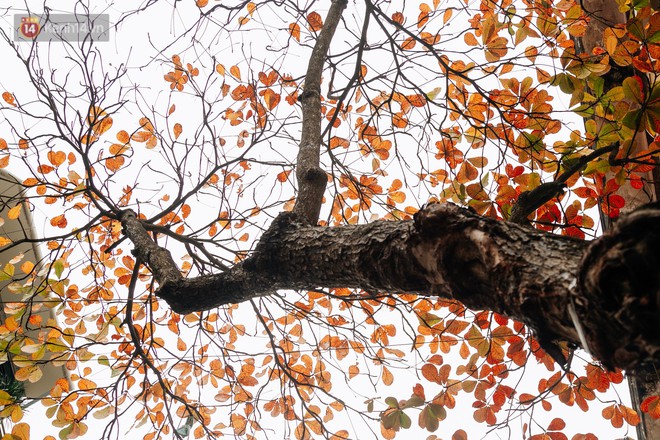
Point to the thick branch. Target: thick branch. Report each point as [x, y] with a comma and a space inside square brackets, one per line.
[145, 249]
[311, 178]
[448, 251]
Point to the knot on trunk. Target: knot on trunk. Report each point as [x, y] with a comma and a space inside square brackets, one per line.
[620, 277]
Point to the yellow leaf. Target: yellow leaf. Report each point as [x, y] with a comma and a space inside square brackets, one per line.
[4, 241]
[220, 69]
[21, 430]
[5, 398]
[16, 413]
[14, 212]
[27, 267]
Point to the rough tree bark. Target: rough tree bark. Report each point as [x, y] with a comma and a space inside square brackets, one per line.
[646, 381]
[601, 295]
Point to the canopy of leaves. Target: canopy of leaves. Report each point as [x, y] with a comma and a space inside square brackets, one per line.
[193, 121]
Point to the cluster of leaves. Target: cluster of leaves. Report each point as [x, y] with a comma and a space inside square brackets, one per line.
[481, 132]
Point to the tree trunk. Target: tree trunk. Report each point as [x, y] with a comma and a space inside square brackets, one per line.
[645, 382]
[602, 295]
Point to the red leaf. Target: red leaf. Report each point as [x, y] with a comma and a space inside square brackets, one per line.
[651, 406]
[315, 21]
[557, 424]
[616, 201]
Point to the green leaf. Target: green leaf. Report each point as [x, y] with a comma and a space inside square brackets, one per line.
[103, 360]
[184, 430]
[413, 402]
[632, 118]
[597, 85]
[392, 402]
[636, 28]
[632, 89]
[58, 267]
[613, 95]
[405, 420]
[597, 166]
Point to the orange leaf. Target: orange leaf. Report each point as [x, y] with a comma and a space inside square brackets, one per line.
[27, 267]
[315, 22]
[470, 39]
[271, 98]
[235, 71]
[294, 30]
[447, 15]
[4, 161]
[408, 44]
[268, 79]
[423, 18]
[21, 431]
[123, 137]
[59, 221]
[3, 144]
[177, 130]
[353, 371]
[220, 69]
[23, 144]
[416, 100]
[114, 163]
[57, 158]
[388, 377]
[202, 3]
[14, 212]
[398, 17]
[337, 141]
[9, 98]
[283, 176]
[117, 149]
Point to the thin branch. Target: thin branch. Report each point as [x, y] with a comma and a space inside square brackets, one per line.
[530, 201]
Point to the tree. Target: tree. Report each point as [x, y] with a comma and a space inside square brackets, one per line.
[177, 231]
